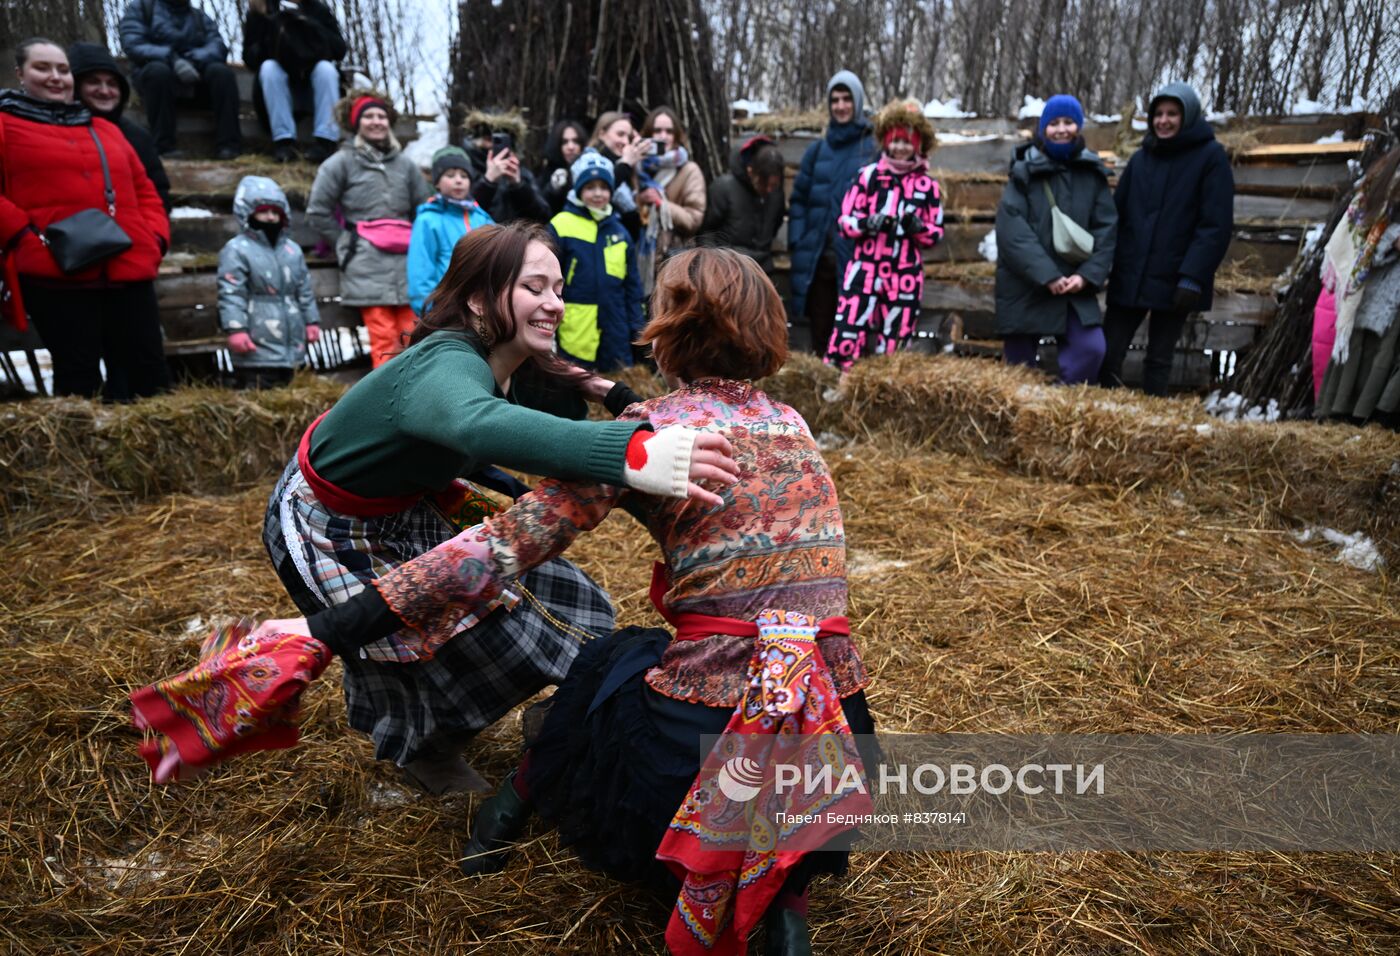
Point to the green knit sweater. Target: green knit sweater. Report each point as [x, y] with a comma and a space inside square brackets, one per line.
[433, 413]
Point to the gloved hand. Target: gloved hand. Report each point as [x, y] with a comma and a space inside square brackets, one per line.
[313, 333]
[185, 71]
[242, 343]
[873, 225]
[912, 224]
[1185, 299]
[559, 179]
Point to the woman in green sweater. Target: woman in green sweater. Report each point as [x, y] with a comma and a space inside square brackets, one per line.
[376, 482]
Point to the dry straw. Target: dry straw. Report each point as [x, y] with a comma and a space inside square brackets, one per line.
[1022, 559]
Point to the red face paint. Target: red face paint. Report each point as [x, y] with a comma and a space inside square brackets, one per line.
[905, 134]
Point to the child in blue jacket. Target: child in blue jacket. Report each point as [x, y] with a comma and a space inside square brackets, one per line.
[602, 287]
[440, 222]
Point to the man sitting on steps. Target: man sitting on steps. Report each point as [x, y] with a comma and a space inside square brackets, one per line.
[175, 48]
[293, 46]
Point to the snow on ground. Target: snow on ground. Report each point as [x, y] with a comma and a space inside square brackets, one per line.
[752, 107]
[987, 247]
[1031, 107]
[861, 564]
[1312, 237]
[1231, 408]
[1105, 118]
[1220, 116]
[1306, 107]
[433, 135]
[191, 212]
[1336, 137]
[1357, 550]
[945, 139]
[952, 109]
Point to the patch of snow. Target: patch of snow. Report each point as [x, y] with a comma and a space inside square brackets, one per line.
[26, 375]
[1337, 137]
[1356, 550]
[828, 441]
[1140, 125]
[1313, 236]
[1231, 408]
[832, 395]
[950, 348]
[117, 872]
[195, 625]
[1204, 429]
[865, 564]
[191, 212]
[1220, 116]
[1306, 107]
[987, 246]
[950, 138]
[1031, 107]
[752, 107]
[1106, 118]
[952, 109]
[433, 135]
[384, 795]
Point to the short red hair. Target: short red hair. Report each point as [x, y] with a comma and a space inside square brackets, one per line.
[715, 314]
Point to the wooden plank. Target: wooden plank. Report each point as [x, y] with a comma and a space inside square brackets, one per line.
[189, 289]
[210, 233]
[1307, 152]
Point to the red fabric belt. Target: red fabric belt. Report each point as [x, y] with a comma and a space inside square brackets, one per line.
[337, 498]
[696, 627]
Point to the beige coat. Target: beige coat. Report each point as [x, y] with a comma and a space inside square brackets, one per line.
[686, 195]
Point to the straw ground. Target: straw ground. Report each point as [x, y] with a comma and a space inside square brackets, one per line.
[1009, 574]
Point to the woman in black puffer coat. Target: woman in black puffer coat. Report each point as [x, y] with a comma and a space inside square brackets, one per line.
[1175, 205]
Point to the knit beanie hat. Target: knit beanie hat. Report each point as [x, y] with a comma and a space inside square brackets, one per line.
[590, 166]
[357, 109]
[449, 157]
[1057, 106]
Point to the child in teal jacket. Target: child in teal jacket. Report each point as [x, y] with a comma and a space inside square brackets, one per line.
[440, 222]
[602, 288]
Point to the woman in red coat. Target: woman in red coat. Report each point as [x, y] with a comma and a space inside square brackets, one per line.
[50, 169]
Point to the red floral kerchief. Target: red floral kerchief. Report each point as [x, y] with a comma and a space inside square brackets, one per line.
[738, 834]
[242, 696]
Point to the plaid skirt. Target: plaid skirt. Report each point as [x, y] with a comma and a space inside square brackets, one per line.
[415, 709]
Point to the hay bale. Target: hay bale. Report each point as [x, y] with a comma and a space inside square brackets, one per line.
[785, 122]
[1296, 472]
[82, 458]
[811, 386]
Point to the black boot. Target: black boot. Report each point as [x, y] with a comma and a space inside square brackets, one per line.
[498, 824]
[787, 934]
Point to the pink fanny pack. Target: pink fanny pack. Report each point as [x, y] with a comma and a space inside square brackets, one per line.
[386, 235]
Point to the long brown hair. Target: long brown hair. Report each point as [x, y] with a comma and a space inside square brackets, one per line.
[485, 266]
[676, 128]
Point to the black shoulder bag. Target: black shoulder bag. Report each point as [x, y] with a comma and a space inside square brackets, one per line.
[86, 238]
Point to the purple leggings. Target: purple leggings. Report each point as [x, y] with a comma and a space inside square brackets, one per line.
[1081, 351]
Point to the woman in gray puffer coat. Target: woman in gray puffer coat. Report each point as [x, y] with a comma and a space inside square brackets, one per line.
[363, 200]
[266, 304]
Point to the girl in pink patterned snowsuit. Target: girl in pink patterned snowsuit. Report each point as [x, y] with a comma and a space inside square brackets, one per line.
[894, 211]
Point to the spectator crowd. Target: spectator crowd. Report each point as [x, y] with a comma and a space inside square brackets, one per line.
[618, 196]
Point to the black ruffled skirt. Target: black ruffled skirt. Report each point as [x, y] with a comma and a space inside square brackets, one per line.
[614, 760]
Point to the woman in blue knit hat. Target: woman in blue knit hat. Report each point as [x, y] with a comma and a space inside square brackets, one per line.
[1056, 226]
[602, 287]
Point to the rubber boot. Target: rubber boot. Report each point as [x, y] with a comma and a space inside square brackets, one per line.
[499, 823]
[787, 934]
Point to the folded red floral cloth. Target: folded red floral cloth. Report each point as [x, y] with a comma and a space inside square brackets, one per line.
[738, 834]
[242, 696]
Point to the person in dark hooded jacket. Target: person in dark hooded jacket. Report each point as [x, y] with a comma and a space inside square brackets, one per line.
[99, 85]
[565, 144]
[819, 251]
[1175, 218]
[1041, 291]
[745, 205]
[174, 47]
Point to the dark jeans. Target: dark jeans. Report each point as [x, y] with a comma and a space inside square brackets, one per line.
[821, 302]
[1163, 329]
[119, 326]
[217, 87]
[256, 377]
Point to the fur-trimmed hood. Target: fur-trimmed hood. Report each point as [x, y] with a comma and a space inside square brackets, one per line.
[908, 113]
[510, 121]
